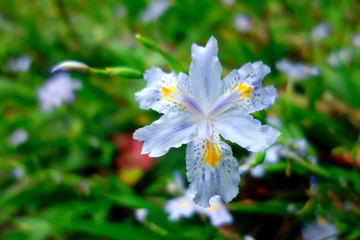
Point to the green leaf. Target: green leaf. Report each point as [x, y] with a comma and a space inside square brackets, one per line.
[149, 43]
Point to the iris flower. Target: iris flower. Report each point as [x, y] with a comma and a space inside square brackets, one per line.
[198, 109]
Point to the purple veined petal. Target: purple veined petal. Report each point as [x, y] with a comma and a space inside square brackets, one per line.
[245, 131]
[205, 130]
[171, 130]
[243, 90]
[211, 170]
[167, 92]
[205, 73]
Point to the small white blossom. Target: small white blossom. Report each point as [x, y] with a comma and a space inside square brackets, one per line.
[291, 208]
[337, 58]
[275, 121]
[242, 23]
[356, 40]
[227, 3]
[18, 137]
[320, 229]
[248, 237]
[69, 66]
[198, 109]
[20, 64]
[296, 148]
[18, 173]
[297, 71]
[180, 207]
[154, 11]
[217, 213]
[58, 89]
[141, 214]
[177, 185]
[120, 11]
[184, 207]
[320, 31]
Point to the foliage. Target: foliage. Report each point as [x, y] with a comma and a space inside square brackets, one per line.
[73, 186]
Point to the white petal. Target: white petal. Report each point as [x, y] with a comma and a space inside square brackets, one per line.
[205, 73]
[273, 154]
[141, 214]
[171, 130]
[166, 92]
[218, 214]
[243, 90]
[180, 207]
[245, 131]
[258, 171]
[211, 170]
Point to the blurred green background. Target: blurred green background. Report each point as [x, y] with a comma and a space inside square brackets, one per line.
[79, 174]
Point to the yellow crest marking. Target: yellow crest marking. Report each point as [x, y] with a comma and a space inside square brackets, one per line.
[244, 90]
[212, 153]
[169, 94]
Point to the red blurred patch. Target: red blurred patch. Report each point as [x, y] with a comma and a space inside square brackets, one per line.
[129, 153]
[344, 157]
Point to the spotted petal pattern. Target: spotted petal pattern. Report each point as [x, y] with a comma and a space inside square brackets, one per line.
[209, 178]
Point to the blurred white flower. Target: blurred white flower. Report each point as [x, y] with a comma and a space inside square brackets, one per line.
[227, 3]
[291, 208]
[177, 185]
[275, 121]
[356, 40]
[217, 213]
[333, 60]
[180, 207]
[58, 89]
[18, 173]
[248, 237]
[296, 148]
[141, 214]
[337, 58]
[319, 229]
[348, 206]
[154, 11]
[18, 137]
[120, 11]
[184, 206]
[20, 64]
[297, 71]
[320, 31]
[272, 156]
[243, 23]
[69, 66]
